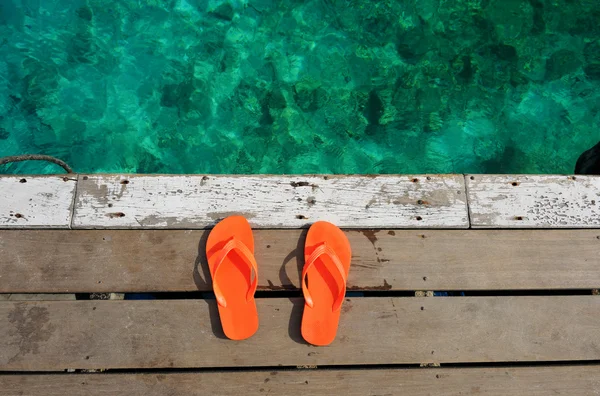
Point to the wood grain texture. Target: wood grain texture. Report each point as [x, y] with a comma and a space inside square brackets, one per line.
[37, 297]
[36, 201]
[85, 261]
[178, 201]
[521, 381]
[57, 335]
[520, 201]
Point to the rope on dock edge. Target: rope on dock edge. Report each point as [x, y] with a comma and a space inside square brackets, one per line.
[36, 157]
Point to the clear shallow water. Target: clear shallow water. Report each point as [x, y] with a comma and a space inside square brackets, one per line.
[320, 86]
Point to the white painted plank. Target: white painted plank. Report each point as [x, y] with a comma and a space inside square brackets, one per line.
[534, 201]
[182, 201]
[36, 201]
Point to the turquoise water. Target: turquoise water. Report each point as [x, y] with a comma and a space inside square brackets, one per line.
[320, 86]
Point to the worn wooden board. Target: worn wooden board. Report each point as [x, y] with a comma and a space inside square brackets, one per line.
[495, 381]
[178, 201]
[530, 201]
[58, 335]
[37, 297]
[36, 201]
[85, 261]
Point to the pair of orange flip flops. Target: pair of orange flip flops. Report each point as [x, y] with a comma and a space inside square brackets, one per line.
[234, 272]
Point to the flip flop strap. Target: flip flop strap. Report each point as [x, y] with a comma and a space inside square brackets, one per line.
[321, 250]
[246, 254]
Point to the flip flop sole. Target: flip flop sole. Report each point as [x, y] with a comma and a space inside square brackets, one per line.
[239, 317]
[320, 322]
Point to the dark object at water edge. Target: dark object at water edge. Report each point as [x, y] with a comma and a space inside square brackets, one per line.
[589, 162]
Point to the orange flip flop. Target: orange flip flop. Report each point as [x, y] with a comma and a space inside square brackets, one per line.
[327, 256]
[230, 254]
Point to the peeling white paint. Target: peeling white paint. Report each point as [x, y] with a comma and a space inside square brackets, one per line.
[534, 201]
[36, 201]
[182, 201]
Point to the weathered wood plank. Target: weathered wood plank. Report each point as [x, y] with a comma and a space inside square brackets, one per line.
[37, 297]
[534, 201]
[86, 261]
[496, 381]
[36, 201]
[186, 333]
[134, 201]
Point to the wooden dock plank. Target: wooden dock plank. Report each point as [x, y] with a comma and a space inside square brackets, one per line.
[185, 201]
[36, 201]
[534, 201]
[37, 297]
[58, 335]
[495, 381]
[86, 261]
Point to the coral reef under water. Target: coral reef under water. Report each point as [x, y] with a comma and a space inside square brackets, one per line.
[290, 86]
